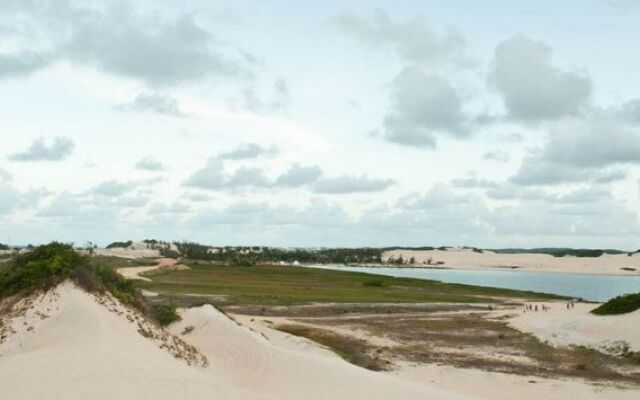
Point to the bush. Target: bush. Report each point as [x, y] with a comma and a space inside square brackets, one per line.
[46, 266]
[374, 283]
[40, 268]
[619, 305]
[4, 246]
[123, 245]
[166, 314]
[169, 253]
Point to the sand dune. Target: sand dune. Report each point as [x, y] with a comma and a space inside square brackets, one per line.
[469, 259]
[248, 360]
[578, 326]
[69, 344]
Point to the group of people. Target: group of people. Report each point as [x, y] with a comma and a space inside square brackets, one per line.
[544, 307]
[534, 307]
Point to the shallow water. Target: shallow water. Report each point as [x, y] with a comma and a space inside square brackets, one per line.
[585, 286]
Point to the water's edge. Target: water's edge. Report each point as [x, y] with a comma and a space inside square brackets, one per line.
[591, 287]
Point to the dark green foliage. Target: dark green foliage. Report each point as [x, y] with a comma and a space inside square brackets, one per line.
[373, 282]
[4, 247]
[169, 253]
[40, 268]
[46, 266]
[165, 314]
[120, 244]
[619, 305]
[252, 255]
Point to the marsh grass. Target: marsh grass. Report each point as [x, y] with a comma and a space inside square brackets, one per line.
[270, 285]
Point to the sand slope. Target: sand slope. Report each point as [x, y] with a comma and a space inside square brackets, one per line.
[82, 350]
[248, 360]
[69, 344]
[578, 326]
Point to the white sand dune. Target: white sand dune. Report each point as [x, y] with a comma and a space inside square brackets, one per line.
[469, 259]
[248, 360]
[70, 346]
[578, 326]
[82, 350]
[135, 250]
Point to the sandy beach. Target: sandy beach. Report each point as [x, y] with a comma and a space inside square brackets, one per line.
[607, 264]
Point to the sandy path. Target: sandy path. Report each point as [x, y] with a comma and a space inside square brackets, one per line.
[578, 326]
[248, 360]
[134, 272]
[608, 264]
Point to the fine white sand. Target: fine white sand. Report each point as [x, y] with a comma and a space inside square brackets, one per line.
[136, 250]
[483, 385]
[70, 346]
[469, 259]
[248, 360]
[82, 350]
[577, 326]
[473, 383]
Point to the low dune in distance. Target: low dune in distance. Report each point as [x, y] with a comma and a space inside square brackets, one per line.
[615, 264]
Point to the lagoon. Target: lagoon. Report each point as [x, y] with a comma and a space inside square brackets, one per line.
[584, 286]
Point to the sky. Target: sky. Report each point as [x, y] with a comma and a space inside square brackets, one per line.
[334, 123]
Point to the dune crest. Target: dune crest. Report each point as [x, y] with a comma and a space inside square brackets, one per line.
[69, 344]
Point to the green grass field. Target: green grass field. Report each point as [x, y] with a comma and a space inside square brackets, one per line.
[268, 285]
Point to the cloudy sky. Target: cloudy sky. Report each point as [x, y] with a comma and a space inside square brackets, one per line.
[321, 123]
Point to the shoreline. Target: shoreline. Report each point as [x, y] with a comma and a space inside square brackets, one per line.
[474, 268]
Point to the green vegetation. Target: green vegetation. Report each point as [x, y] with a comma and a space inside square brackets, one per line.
[4, 246]
[47, 265]
[123, 245]
[269, 285]
[165, 314]
[619, 305]
[253, 255]
[350, 349]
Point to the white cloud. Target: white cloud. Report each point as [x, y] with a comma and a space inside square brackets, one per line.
[532, 88]
[423, 107]
[60, 149]
[150, 164]
[153, 103]
[351, 184]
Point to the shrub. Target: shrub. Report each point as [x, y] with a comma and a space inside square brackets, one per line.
[165, 314]
[42, 267]
[46, 266]
[375, 283]
[169, 253]
[619, 305]
[123, 245]
[4, 246]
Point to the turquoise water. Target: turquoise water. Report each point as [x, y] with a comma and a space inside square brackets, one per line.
[588, 287]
